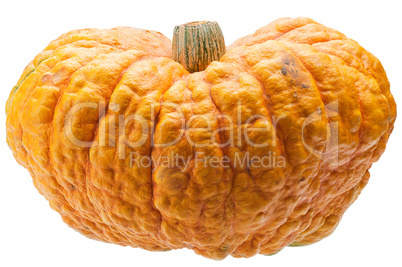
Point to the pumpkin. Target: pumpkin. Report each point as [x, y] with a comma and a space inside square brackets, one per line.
[232, 150]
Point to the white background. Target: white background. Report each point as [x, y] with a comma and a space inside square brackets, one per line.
[31, 234]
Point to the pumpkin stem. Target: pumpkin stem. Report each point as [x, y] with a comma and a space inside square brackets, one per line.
[196, 44]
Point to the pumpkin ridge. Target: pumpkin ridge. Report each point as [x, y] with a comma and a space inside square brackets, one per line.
[169, 65]
[19, 84]
[358, 148]
[375, 69]
[315, 236]
[363, 72]
[238, 253]
[79, 42]
[62, 92]
[326, 34]
[61, 40]
[152, 152]
[143, 56]
[312, 80]
[229, 199]
[328, 203]
[11, 133]
[248, 40]
[366, 73]
[22, 80]
[201, 249]
[37, 65]
[246, 67]
[223, 150]
[103, 115]
[279, 35]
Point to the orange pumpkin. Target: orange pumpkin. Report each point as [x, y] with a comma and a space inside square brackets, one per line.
[263, 147]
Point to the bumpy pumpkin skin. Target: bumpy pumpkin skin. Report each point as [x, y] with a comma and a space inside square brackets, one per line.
[289, 69]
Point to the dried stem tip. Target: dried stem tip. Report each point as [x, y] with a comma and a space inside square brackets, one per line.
[196, 44]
